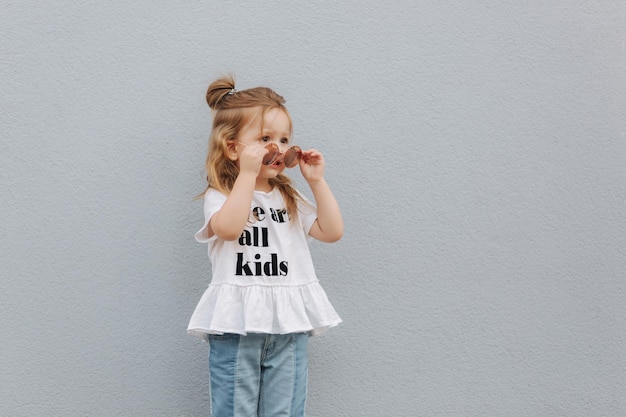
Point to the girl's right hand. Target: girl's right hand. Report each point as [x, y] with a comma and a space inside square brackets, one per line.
[251, 159]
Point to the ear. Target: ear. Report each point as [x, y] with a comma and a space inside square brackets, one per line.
[231, 151]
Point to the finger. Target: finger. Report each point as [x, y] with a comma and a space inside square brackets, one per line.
[312, 156]
[312, 152]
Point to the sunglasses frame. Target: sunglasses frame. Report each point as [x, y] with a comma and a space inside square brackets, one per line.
[291, 156]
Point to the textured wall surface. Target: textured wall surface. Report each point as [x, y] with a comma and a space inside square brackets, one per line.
[478, 150]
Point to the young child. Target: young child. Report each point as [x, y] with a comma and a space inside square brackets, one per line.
[264, 300]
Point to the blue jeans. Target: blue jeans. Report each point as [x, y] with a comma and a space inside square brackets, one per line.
[258, 375]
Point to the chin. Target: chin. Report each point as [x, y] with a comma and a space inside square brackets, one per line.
[272, 172]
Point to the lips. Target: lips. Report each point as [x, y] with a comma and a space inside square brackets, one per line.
[278, 161]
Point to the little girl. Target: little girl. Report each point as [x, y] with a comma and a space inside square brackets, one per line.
[264, 300]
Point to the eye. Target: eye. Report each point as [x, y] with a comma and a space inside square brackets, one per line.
[265, 139]
[284, 141]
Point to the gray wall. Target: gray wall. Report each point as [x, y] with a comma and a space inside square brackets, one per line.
[478, 150]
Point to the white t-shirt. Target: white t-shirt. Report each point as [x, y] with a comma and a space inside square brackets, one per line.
[264, 281]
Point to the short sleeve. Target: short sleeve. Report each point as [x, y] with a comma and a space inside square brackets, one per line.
[213, 202]
[307, 213]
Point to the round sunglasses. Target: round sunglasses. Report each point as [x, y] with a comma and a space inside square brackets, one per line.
[291, 157]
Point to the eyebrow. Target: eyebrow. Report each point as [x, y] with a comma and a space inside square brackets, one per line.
[284, 135]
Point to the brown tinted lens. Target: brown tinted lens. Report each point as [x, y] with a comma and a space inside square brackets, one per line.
[292, 156]
[271, 155]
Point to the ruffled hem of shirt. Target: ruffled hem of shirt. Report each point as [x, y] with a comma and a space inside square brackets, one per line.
[263, 309]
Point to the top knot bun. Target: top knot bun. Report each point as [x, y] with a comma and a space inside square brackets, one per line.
[218, 90]
[222, 95]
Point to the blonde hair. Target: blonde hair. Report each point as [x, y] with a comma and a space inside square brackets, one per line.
[232, 110]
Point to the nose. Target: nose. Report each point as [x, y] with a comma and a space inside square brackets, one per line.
[282, 147]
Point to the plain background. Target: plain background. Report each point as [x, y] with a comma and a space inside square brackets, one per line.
[477, 148]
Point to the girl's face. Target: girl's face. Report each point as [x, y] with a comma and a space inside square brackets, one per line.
[274, 128]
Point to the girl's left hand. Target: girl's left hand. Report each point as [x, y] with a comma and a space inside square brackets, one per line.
[312, 165]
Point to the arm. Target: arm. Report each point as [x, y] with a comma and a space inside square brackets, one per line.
[329, 224]
[230, 220]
